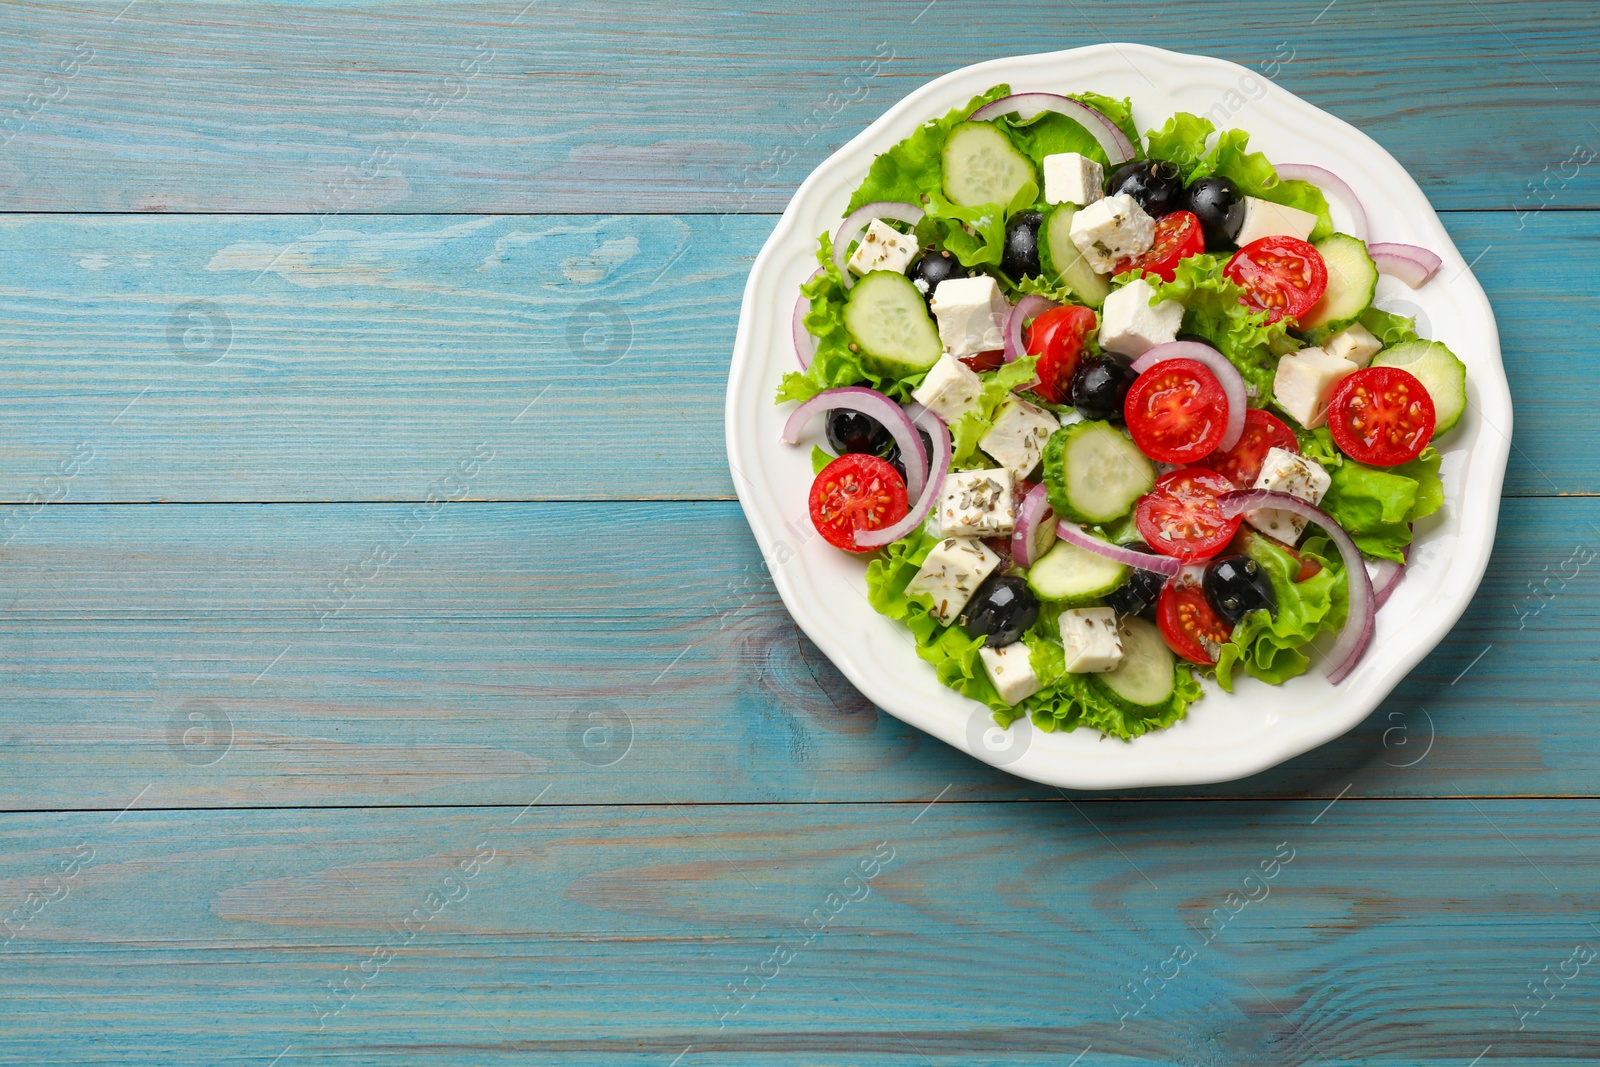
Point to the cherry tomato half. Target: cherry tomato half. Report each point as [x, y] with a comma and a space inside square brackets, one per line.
[1381, 416]
[1241, 464]
[1180, 516]
[856, 492]
[1056, 337]
[982, 361]
[1176, 411]
[1178, 236]
[1283, 276]
[1191, 628]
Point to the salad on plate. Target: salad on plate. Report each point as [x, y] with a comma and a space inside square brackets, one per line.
[1110, 414]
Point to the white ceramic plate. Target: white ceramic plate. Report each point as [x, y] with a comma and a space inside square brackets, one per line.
[1224, 736]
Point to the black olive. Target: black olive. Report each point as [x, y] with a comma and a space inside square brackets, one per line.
[1235, 586]
[851, 431]
[1021, 256]
[1001, 609]
[891, 452]
[1099, 388]
[1155, 184]
[933, 268]
[1219, 206]
[1138, 595]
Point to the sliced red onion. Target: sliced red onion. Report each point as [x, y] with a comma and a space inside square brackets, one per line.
[1033, 516]
[858, 220]
[942, 451]
[1113, 141]
[1358, 623]
[1228, 377]
[1327, 179]
[1029, 307]
[805, 346]
[1386, 575]
[1075, 535]
[874, 405]
[1410, 264]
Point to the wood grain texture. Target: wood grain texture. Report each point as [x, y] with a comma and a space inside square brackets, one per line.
[280, 358]
[985, 934]
[635, 106]
[199, 651]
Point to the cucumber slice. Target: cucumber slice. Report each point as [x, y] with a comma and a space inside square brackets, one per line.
[1439, 371]
[982, 166]
[1352, 277]
[1147, 674]
[1093, 473]
[1061, 257]
[889, 320]
[1070, 573]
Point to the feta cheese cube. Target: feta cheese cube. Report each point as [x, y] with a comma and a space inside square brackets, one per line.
[1286, 472]
[950, 388]
[1129, 326]
[1110, 230]
[976, 504]
[1263, 218]
[1072, 179]
[1355, 343]
[1306, 380]
[1091, 640]
[1011, 672]
[1016, 438]
[883, 247]
[971, 313]
[950, 575]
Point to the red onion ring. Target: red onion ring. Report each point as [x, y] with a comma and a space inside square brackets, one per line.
[1228, 377]
[874, 405]
[1112, 141]
[943, 449]
[805, 346]
[1076, 536]
[1029, 307]
[1386, 575]
[1328, 179]
[1035, 510]
[1410, 264]
[1357, 631]
[858, 220]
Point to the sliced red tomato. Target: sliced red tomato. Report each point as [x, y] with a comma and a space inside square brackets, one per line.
[1178, 236]
[982, 361]
[856, 492]
[1283, 276]
[1056, 337]
[1241, 464]
[1381, 416]
[1191, 628]
[1176, 411]
[1180, 516]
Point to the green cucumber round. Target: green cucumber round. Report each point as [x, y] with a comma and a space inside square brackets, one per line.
[982, 166]
[888, 318]
[1094, 474]
[1075, 575]
[1352, 279]
[1439, 371]
[1060, 257]
[1147, 674]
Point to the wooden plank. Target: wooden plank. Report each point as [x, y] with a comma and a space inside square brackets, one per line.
[983, 934]
[472, 656]
[630, 106]
[273, 358]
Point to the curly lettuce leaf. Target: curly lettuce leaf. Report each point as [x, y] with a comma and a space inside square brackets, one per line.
[1376, 506]
[820, 459]
[1181, 141]
[1387, 327]
[966, 431]
[1318, 445]
[1069, 701]
[1272, 647]
[916, 165]
[1211, 309]
[974, 235]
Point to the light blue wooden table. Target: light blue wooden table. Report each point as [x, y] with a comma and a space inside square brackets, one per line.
[387, 675]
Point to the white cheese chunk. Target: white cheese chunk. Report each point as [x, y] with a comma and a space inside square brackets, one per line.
[952, 572]
[883, 247]
[1305, 381]
[1287, 472]
[1110, 230]
[1016, 438]
[1263, 218]
[1072, 179]
[1011, 672]
[976, 504]
[950, 388]
[1091, 640]
[1355, 343]
[1129, 326]
[971, 313]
